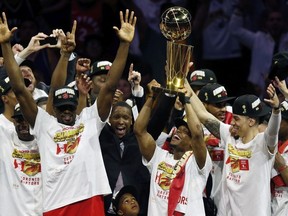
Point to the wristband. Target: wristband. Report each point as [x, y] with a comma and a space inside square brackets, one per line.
[281, 168]
[184, 99]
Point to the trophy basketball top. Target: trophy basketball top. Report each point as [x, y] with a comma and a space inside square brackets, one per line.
[176, 23]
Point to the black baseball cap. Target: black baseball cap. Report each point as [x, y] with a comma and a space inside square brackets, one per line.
[17, 112]
[213, 93]
[100, 67]
[284, 110]
[181, 121]
[116, 198]
[279, 66]
[202, 77]
[4, 86]
[250, 105]
[28, 63]
[65, 96]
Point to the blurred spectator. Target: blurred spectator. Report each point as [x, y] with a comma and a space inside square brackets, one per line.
[57, 14]
[19, 10]
[88, 14]
[263, 44]
[218, 50]
[93, 48]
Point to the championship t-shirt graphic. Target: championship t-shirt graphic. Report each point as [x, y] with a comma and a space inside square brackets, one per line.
[67, 141]
[27, 164]
[239, 159]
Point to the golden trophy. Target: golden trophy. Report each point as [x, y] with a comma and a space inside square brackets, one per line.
[176, 27]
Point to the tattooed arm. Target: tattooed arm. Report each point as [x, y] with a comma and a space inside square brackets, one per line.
[213, 125]
[206, 118]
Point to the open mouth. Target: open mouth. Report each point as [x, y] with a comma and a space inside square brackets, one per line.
[27, 82]
[120, 131]
[175, 138]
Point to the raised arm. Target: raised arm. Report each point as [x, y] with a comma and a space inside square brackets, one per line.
[146, 142]
[59, 75]
[198, 144]
[24, 97]
[125, 34]
[206, 118]
[32, 47]
[271, 132]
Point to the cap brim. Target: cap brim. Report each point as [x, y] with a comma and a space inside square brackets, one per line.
[65, 103]
[179, 122]
[198, 83]
[265, 111]
[224, 99]
[98, 73]
[17, 115]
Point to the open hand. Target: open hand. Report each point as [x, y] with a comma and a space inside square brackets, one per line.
[273, 99]
[126, 32]
[5, 33]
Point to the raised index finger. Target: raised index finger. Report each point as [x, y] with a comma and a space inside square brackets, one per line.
[74, 27]
[4, 19]
[131, 68]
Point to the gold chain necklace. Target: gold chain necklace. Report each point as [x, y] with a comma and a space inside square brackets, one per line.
[178, 166]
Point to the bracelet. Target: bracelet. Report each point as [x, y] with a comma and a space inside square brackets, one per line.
[281, 168]
[187, 100]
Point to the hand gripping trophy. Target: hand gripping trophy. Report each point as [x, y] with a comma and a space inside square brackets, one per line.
[176, 26]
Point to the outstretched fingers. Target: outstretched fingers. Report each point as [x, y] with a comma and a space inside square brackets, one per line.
[133, 19]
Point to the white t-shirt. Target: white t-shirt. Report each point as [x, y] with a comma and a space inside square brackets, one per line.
[280, 196]
[20, 176]
[39, 93]
[7, 124]
[245, 189]
[190, 201]
[72, 164]
[217, 156]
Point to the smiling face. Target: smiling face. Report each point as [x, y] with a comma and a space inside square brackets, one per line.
[128, 205]
[181, 139]
[121, 120]
[22, 129]
[28, 74]
[241, 125]
[218, 110]
[66, 114]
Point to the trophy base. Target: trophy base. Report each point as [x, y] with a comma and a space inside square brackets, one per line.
[168, 91]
